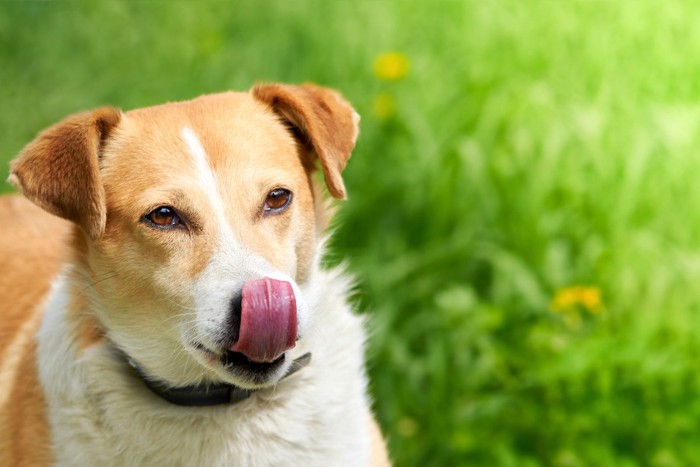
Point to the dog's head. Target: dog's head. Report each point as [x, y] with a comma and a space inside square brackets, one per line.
[198, 223]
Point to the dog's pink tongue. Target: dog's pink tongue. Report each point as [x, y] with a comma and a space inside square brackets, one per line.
[268, 320]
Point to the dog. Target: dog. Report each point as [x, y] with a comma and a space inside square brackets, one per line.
[161, 297]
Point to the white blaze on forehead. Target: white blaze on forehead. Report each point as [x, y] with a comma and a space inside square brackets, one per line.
[203, 169]
[199, 155]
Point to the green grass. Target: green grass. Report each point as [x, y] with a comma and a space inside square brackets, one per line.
[535, 146]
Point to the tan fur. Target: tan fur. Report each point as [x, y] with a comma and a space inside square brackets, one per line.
[288, 246]
[105, 170]
[324, 118]
[32, 252]
[59, 170]
[379, 456]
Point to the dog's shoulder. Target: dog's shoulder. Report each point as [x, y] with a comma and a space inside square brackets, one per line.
[30, 235]
[32, 251]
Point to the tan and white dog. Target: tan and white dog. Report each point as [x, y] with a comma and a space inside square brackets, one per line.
[172, 310]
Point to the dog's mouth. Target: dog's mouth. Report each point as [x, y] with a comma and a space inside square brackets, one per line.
[238, 360]
[240, 365]
[267, 325]
[264, 329]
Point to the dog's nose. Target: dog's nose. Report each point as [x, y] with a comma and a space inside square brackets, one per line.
[234, 318]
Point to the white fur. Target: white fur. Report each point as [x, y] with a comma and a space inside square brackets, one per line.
[102, 414]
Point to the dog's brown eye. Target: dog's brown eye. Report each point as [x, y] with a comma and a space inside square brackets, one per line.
[163, 217]
[277, 200]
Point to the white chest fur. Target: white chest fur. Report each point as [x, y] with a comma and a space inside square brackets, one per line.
[101, 414]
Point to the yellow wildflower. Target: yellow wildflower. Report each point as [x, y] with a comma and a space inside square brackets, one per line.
[391, 66]
[384, 106]
[571, 298]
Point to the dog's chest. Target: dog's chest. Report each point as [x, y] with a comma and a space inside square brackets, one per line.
[101, 416]
[284, 435]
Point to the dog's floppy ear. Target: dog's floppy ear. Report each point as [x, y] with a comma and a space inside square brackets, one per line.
[324, 120]
[59, 170]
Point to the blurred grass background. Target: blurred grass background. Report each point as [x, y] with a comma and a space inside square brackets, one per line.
[523, 217]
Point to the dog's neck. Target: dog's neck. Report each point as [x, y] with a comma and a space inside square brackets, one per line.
[203, 395]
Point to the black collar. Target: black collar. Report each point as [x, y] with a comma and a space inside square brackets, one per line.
[208, 394]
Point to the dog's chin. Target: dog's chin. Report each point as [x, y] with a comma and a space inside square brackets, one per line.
[237, 369]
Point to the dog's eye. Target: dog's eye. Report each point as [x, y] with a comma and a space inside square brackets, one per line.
[277, 200]
[163, 217]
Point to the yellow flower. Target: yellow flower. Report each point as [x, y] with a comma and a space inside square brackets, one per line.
[391, 66]
[569, 299]
[384, 106]
[590, 299]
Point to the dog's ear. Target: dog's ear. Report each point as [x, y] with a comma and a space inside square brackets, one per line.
[324, 121]
[59, 171]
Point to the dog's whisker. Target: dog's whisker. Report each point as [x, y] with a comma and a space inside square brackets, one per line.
[179, 316]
